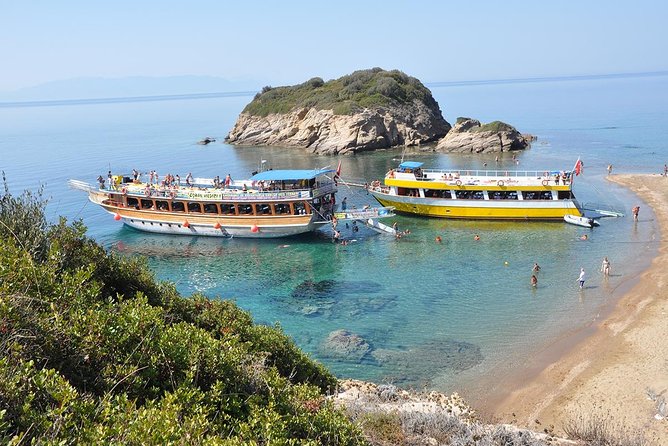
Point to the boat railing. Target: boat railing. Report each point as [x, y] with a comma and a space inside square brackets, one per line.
[499, 173]
[194, 193]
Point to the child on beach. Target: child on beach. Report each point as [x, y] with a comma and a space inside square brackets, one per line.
[581, 278]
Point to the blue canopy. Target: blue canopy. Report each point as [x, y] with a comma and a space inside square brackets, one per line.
[410, 164]
[286, 175]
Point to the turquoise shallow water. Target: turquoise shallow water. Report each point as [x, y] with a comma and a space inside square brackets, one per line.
[447, 315]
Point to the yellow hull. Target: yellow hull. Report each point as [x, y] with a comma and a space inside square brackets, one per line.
[486, 210]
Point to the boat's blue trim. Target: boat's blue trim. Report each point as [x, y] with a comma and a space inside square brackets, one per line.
[287, 175]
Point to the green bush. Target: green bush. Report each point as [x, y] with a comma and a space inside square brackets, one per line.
[346, 95]
[95, 351]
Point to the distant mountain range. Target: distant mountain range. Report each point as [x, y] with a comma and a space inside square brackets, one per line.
[99, 87]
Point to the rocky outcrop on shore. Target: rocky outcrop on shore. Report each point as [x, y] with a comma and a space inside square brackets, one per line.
[389, 415]
[470, 136]
[367, 110]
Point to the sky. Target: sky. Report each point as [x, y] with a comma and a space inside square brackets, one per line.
[287, 42]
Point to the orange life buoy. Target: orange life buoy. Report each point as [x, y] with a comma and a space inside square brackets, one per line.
[500, 183]
[545, 182]
[124, 191]
[458, 182]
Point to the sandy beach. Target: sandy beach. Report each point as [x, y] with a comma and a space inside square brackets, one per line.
[612, 371]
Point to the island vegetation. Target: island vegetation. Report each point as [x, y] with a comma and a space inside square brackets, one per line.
[346, 95]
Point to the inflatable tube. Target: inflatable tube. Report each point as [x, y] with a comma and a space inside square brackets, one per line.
[500, 183]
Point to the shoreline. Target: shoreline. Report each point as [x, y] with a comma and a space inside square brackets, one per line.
[606, 368]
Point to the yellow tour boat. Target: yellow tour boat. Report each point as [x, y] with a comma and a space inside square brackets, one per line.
[478, 194]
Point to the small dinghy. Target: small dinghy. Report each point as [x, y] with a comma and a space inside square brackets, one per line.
[586, 222]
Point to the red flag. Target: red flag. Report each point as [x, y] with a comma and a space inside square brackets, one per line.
[338, 169]
[578, 167]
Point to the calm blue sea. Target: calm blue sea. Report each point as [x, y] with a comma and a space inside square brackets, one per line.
[446, 316]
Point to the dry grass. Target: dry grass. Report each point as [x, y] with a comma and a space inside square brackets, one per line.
[602, 430]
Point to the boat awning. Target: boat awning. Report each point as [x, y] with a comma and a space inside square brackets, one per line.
[410, 164]
[287, 175]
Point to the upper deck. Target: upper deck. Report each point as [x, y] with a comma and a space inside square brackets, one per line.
[266, 186]
[417, 177]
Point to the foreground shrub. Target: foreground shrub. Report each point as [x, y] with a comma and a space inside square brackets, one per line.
[94, 351]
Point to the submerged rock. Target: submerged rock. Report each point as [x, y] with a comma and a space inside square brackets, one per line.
[366, 110]
[420, 363]
[469, 136]
[344, 345]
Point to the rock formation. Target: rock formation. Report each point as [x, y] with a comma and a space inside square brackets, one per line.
[345, 345]
[367, 110]
[469, 136]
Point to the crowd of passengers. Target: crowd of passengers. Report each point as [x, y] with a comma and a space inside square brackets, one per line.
[171, 183]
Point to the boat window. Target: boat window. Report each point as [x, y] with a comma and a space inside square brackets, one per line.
[133, 203]
[228, 209]
[177, 206]
[262, 209]
[463, 194]
[435, 193]
[546, 195]
[477, 195]
[246, 209]
[162, 205]
[282, 209]
[194, 207]
[407, 192]
[502, 195]
[147, 204]
[210, 208]
[531, 195]
[565, 194]
[300, 208]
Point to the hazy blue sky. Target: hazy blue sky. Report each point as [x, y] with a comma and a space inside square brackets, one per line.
[287, 42]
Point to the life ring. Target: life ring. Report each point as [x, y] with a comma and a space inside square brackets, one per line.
[124, 191]
[545, 182]
[147, 192]
[172, 194]
[500, 183]
[458, 182]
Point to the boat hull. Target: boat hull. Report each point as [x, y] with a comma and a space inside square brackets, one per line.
[479, 209]
[214, 226]
[580, 221]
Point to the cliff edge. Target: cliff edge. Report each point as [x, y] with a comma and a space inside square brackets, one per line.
[366, 110]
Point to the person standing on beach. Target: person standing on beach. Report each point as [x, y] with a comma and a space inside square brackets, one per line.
[581, 278]
[605, 267]
[635, 211]
[665, 170]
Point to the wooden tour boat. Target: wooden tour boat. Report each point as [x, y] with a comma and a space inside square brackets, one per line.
[273, 203]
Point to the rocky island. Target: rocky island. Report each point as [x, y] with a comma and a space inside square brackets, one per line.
[470, 136]
[366, 110]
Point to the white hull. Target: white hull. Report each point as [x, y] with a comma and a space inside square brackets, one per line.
[245, 231]
[580, 221]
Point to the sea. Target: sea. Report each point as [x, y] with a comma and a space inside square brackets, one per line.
[459, 315]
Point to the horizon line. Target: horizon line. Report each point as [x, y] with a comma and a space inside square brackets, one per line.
[213, 95]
